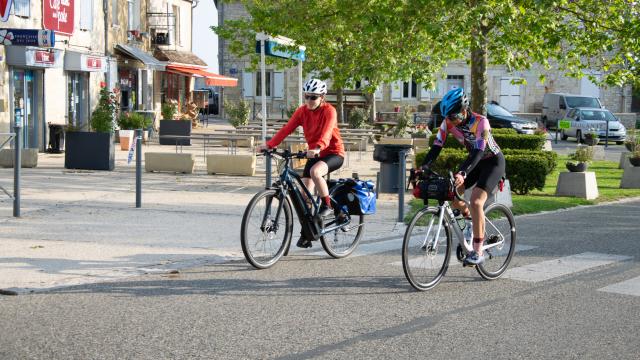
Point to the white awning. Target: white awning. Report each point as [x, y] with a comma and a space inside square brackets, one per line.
[151, 62]
[75, 61]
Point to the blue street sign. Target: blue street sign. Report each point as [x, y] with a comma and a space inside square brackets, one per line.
[27, 37]
[270, 50]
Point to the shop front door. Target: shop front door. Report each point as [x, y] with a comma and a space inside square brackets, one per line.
[78, 100]
[28, 101]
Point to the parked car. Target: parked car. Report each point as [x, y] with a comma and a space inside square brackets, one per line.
[556, 105]
[501, 118]
[594, 120]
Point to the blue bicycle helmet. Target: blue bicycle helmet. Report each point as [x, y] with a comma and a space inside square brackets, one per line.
[453, 102]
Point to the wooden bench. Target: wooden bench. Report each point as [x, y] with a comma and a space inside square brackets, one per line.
[231, 164]
[171, 162]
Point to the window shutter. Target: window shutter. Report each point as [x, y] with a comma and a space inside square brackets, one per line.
[21, 8]
[278, 85]
[442, 88]
[396, 90]
[378, 94]
[86, 15]
[247, 84]
[425, 94]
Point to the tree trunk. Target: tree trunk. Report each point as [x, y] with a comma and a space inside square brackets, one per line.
[371, 105]
[340, 105]
[479, 72]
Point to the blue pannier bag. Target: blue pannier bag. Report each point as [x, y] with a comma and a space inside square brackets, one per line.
[366, 196]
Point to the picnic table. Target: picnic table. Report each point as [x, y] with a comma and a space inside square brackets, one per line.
[207, 137]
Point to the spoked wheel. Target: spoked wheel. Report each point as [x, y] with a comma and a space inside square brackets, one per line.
[342, 241]
[264, 239]
[500, 237]
[425, 252]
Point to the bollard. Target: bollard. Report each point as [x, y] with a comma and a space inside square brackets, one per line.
[138, 168]
[17, 164]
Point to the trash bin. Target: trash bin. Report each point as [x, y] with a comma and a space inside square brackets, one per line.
[389, 157]
[56, 139]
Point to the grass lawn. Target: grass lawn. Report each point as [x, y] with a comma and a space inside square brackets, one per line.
[608, 177]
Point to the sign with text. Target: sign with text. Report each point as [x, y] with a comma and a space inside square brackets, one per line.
[271, 49]
[57, 15]
[564, 124]
[27, 37]
[5, 7]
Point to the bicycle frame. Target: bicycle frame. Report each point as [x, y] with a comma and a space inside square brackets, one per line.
[445, 213]
[290, 183]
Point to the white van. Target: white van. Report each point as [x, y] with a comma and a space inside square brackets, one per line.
[556, 105]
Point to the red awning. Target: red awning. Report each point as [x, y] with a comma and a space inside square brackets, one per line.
[211, 79]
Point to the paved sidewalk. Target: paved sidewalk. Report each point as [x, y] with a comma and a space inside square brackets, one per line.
[81, 227]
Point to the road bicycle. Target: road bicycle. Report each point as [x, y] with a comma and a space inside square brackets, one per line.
[267, 224]
[426, 249]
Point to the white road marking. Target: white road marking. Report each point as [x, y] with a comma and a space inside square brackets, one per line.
[628, 287]
[414, 263]
[550, 269]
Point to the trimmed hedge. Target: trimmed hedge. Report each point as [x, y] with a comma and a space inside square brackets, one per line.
[504, 131]
[504, 140]
[525, 169]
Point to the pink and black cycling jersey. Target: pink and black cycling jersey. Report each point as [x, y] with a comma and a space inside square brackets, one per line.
[474, 133]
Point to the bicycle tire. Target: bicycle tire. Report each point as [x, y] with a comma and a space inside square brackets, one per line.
[499, 224]
[341, 242]
[418, 258]
[255, 239]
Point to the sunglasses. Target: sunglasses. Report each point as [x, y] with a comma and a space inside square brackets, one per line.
[311, 97]
[457, 116]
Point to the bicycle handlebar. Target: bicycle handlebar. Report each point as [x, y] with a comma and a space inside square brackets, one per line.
[285, 154]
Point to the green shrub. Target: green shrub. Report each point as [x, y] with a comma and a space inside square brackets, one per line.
[504, 131]
[404, 122]
[104, 114]
[292, 108]
[526, 170]
[583, 154]
[237, 112]
[358, 117]
[132, 121]
[504, 140]
[168, 111]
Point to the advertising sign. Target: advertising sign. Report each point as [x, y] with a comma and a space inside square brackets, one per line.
[27, 37]
[5, 6]
[57, 15]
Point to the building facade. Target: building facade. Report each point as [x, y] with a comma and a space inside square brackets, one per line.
[526, 98]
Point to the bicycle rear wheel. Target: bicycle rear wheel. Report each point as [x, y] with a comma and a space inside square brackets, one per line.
[500, 229]
[426, 249]
[342, 241]
[264, 238]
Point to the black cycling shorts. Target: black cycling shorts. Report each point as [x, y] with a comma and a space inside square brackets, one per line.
[487, 174]
[334, 162]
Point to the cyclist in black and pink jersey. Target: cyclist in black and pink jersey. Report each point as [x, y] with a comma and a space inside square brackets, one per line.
[484, 167]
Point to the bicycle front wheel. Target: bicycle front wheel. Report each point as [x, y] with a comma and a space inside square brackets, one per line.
[426, 249]
[499, 241]
[342, 241]
[265, 234]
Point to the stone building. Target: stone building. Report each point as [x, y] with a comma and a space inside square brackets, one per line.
[527, 98]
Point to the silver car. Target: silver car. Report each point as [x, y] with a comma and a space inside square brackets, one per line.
[594, 120]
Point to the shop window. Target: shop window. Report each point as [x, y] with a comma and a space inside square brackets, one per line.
[21, 8]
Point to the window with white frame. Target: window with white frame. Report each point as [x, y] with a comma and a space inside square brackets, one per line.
[21, 8]
[177, 34]
[133, 12]
[268, 76]
[409, 89]
[274, 84]
[86, 15]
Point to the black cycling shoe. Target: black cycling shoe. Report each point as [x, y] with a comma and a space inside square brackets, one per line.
[304, 243]
[325, 211]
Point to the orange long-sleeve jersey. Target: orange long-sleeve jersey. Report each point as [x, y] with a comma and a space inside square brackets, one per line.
[320, 128]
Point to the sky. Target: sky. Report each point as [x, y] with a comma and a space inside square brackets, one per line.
[205, 41]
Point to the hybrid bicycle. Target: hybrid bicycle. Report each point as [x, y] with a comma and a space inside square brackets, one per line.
[427, 245]
[267, 224]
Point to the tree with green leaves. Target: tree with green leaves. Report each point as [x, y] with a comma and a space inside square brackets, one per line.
[387, 40]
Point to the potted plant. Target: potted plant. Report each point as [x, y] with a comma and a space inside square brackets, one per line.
[170, 127]
[591, 138]
[128, 123]
[358, 117]
[631, 142]
[580, 159]
[404, 122]
[94, 150]
[237, 112]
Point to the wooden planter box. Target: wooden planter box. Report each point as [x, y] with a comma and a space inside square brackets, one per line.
[89, 151]
[175, 127]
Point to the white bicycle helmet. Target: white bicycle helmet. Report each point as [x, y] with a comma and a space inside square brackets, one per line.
[315, 86]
